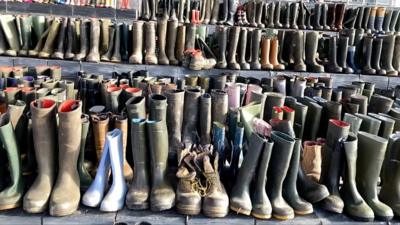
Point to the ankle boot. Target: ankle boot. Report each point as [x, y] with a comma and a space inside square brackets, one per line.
[387, 19]
[242, 50]
[162, 38]
[94, 55]
[317, 17]
[59, 49]
[84, 176]
[339, 15]
[324, 16]
[376, 56]
[367, 53]
[277, 14]
[116, 53]
[371, 19]
[214, 12]
[387, 50]
[273, 56]
[342, 56]
[333, 67]
[279, 166]
[137, 43]
[162, 196]
[240, 199]
[354, 204]
[83, 41]
[233, 43]
[299, 52]
[265, 51]
[311, 52]
[11, 34]
[222, 41]
[70, 41]
[379, 19]
[332, 156]
[171, 38]
[47, 49]
[150, 43]
[375, 148]
[61, 203]
[192, 98]
[26, 30]
[255, 46]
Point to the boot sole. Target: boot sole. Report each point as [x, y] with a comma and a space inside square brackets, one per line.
[216, 213]
[240, 211]
[52, 212]
[157, 208]
[302, 213]
[10, 206]
[188, 210]
[260, 216]
[138, 206]
[278, 217]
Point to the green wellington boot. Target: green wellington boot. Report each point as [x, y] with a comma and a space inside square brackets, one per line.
[11, 34]
[162, 195]
[240, 200]
[278, 168]
[45, 142]
[85, 178]
[387, 125]
[369, 124]
[137, 43]
[354, 204]
[370, 163]
[26, 31]
[11, 196]
[64, 202]
[48, 47]
[175, 102]
[94, 54]
[331, 164]
[59, 46]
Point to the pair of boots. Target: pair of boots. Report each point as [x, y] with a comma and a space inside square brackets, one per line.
[269, 54]
[328, 16]
[195, 170]
[42, 193]
[112, 156]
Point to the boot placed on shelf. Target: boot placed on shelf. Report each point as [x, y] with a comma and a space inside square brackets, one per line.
[233, 5]
[137, 43]
[190, 36]
[94, 54]
[222, 42]
[386, 21]
[298, 51]
[376, 56]
[26, 31]
[70, 40]
[175, 102]
[124, 42]
[244, 65]
[396, 54]
[317, 17]
[171, 38]
[255, 47]
[64, 203]
[83, 41]
[311, 52]
[273, 55]
[107, 55]
[85, 177]
[10, 32]
[393, 21]
[365, 20]
[332, 66]
[324, 16]
[277, 14]
[259, 13]
[233, 43]
[214, 12]
[339, 16]
[367, 53]
[342, 56]
[371, 19]
[162, 38]
[380, 16]
[150, 43]
[388, 47]
[265, 51]
[294, 10]
[359, 19]
[105, 35]
[116, 54]
[206, 117]
[180, 42]
[59, 47]
[270, 9]
[48, 46]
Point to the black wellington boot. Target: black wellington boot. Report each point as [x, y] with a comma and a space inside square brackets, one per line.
[367, 55]
[332, 66]
[376, 56]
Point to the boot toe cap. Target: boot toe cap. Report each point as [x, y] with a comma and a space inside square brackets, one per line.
[333, 203]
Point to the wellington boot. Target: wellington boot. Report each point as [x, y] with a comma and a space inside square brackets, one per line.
[112, 99]
[324, 16]
[387, 125]
[270, 11]
[85, 177]
[278, 168]
[240, 199]
[139, 191]
[153, 7]
[290, 193]
[124, 42]
[233, 44]
[40, 43]
[171, 38]
[158, 107]
[11, 196]
[11, 34]
[175, 102]
[396, 54]
[317, 17]
[70, 40]
[311, 52]
[265, 51]
[214, 12]
[222, 42]
[294, 11]
[26, 31]
[374, 148]
[331, 159]
[333, 67]
[380, 104]
[359, 19]
[48, 47]
[219, 107]
[367, 53]
[162, 195]
[251, 9]
[387, 50]
[105, 35]
[371, 19]
[379, 19]
[62, 203]
[272, 99]
[107, 55]
[298, 52]
[244, 65]
[339, 16]
[259, 13]
[116, 53]
[369, 124]
[223, 12]
[342, 54]
[300, 116]
[277, 14]
[136, 107]
[233, 5]
[354, 204]
[273, 55]
[162, 38]
[190, 41]
[376, 56]
[121, 123]
[311, 162]
[100, 129]
[354, 121]
[255, 47]
[331, 16]
[360, 100]
[84, 41]
[59, 46]
[386, 21]
[150, 43]
[190, 112]
[94, 53]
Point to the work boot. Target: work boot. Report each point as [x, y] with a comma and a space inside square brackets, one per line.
[387, 50]
[26, 31]
[171, 38]
[11, 34]
[265, 51]
[376, 56]
[380, 104]
[367, 53]
[331, 158]
[162, 195]
[339, 16]
[62, 203]
[162, 38]
[150, 43]
[94, 55]
[59, 47]
[233, 43]
[369, 124]
[255, 46]
[379, 19]
[48, 47]
[116, 53]
[175, 102]
[70, 40]
[278, 168]
[240, 199]
[317, 17]
[311, 160]
[324, 16]
[311, 52]
[374, 148]
[190, 118]
[298, 39]
[83, 41]
[244, 65]
[222, 42]
[371, 19]
[354, 204]
[137, 43]
[84, 176]
[332, 66]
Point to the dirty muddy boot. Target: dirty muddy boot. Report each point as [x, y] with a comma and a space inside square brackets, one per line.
[222, 42]
[311, 52]
[10, 32]
[388, 47]
[81, 55]
[150, 43]
[137, 43]
[48, 47]
[59, 47]
[26, 31]
[94, 54]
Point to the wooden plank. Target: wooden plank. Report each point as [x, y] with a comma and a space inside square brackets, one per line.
[105, 13]
[82, 11]
[6, 61]
[18, 7]
[169, 217]
[18, 217]
[311, 219]
[84, 216]
[231, 219]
